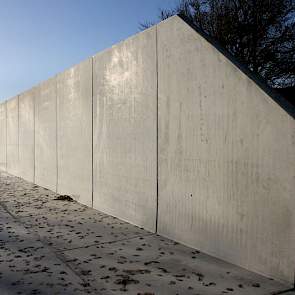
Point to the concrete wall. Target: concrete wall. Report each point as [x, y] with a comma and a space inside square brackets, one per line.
[74, 132]
[163, 131]
[226, 158]
[12, 136]
[125, 140]
[45, 135]
[3, 136]
[27, 135]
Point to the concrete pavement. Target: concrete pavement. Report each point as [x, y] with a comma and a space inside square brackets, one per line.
[50, 246]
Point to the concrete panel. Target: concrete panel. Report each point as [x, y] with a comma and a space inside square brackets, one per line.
[125, 120]
[3, 136]
[226, 158]
[74, 119]
[12, 137]
[45, 135]
[27, 135]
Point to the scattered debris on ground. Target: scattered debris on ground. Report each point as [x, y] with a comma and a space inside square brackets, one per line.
[64, 198]
[50, 247]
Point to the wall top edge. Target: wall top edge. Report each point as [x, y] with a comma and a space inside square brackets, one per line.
[81, 62]
[130, 38]
[270, 92]
[10, 99]
[273, 94]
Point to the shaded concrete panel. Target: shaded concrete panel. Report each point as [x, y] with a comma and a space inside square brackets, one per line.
[27, 135]
[74, 117]
[125, 118]
[3, 136]
[45, 135]
[12, 136]
[226, 158]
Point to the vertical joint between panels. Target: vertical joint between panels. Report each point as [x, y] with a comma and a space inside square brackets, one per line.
[6, 118]
[56, 133]
[92, 132]
[157, 128]
[34, 134]
[18, 160]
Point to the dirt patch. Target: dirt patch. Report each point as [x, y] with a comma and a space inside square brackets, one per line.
[64, 198]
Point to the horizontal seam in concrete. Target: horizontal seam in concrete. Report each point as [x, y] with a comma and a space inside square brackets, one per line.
[109, 242]
[42, 215]
[64, 261]
[6, 209]
[28, 227]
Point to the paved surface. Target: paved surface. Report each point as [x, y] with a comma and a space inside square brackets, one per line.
[50, 246]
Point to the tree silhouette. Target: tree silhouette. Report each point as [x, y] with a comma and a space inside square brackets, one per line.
[259, 33]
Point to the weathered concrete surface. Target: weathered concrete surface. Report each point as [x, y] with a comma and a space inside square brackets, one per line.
[32, 269]
[100, 229]
[125, 120]
[74, 132]
[226, 158]
[27, 266]
[27, 135]
[3, 136]
[83, 251]
[226, 150]
[155, 265]
[12, 136]
[45, 135]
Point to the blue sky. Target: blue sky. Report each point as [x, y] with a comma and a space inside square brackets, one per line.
[40, 38]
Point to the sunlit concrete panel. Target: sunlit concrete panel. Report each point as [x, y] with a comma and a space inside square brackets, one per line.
[27, 135]
[12, 136]
[3, 136]
[125, 120]
[226, 158]
[45, 135]
[74, 130]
